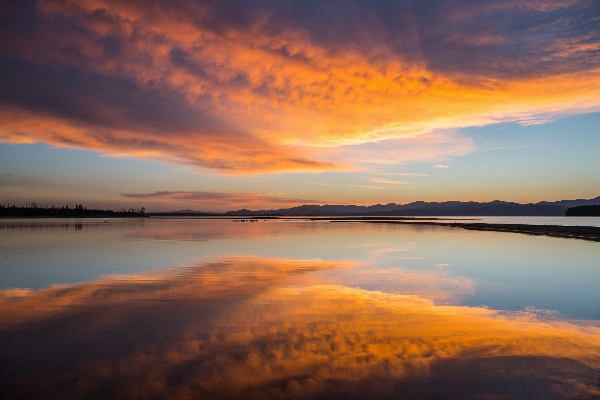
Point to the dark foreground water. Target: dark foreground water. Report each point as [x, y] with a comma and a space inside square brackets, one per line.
[196, 308]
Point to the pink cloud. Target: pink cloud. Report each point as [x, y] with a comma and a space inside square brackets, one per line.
[221, 199]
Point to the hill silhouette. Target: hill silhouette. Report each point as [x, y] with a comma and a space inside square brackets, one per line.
[422, 208]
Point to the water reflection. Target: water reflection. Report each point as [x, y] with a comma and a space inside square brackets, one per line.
[498, 270]
[270, 328]
[441, 287]
[44, 224]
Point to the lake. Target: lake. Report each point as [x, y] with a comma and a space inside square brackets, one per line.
[292, 308]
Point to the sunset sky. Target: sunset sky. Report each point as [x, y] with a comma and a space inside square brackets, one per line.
[219, 105]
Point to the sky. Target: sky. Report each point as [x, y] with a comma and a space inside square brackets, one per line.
[221, 105]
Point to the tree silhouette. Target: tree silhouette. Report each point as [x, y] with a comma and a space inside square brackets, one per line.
[583, 211]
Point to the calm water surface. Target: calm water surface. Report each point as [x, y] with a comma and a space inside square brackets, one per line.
[208, 308]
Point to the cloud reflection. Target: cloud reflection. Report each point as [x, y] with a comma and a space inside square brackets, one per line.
[242, 329]
[438, 286]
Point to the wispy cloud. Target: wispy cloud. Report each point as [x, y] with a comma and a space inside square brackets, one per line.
[430, 147]
[370, 187]
[322, 184]
[401, 174]
[439, 166]
[221, 199]
[388, 181]
[386, 250]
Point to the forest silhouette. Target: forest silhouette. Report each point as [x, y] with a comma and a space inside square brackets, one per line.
[79, 211]
[583, 211]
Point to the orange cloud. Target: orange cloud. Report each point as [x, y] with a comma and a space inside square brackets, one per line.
[202, 150]
[259, 88]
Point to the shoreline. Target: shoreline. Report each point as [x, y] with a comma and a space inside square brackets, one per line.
[590, 233]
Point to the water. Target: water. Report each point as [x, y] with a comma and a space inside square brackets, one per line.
[209, 308]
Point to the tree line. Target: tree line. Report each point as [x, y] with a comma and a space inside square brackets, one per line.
[35, 210]
[583, 211]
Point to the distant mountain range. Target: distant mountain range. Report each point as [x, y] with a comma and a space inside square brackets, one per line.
[422, 208]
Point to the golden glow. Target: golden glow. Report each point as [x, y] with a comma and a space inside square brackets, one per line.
[229, 154]
[277, 102]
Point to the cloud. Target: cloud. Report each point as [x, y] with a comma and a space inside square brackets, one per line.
[370, 187]
[226, 153]
[261, 87]
[439, 166]
[388, 181]
[402, 174]
[216, 198]
[322, 184]
[432, 146]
